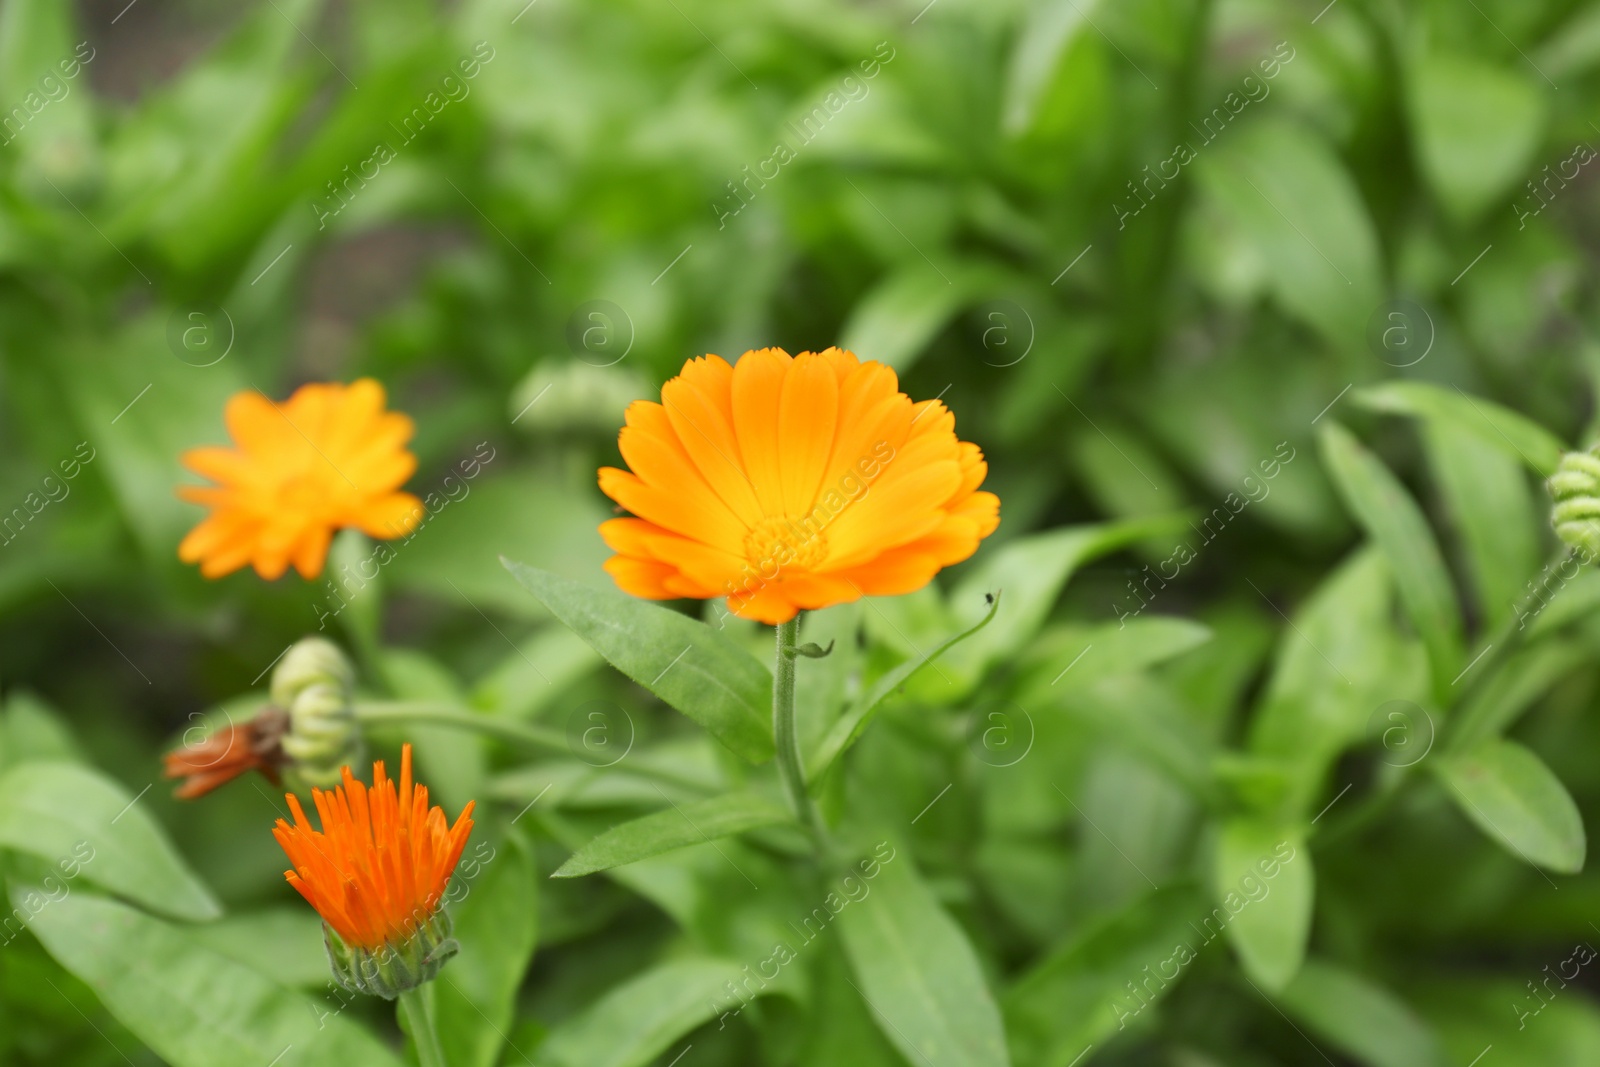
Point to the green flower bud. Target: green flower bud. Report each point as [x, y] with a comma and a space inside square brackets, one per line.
[314, 685]
[1575, 488]
[311, 661]
[394, 968]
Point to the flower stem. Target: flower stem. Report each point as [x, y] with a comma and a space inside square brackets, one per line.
[787, 741]
[419, 1023]
[423, 713]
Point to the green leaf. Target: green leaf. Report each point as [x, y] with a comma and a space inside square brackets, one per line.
[1264, 885]
[637, 1021]
[1515, 434]
[161, 407]
[1392, 519]
[194, 1007]
[1339, 659]
[675, 827]
[276, 941]
[1030, 572]
[895, 321]
[1139, 713]
[850, 726]
[66, 813]
[1515, 799]
[493, 904]
[1494, 515]
[1364, 1020]
[696, 669]
[919, 974]
[1078, 994]
[1287, 191]
[1076, 657]
[1040, 49]
[1478, 126]
[1525, 677]
[453, 557]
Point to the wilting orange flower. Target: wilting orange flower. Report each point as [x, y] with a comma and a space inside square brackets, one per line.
[788, 483]
[228, 752]
[328, 457]
[377, 869]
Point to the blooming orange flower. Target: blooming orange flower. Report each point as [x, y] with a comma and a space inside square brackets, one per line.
[788, 483]
[378, 868]
[328, 457]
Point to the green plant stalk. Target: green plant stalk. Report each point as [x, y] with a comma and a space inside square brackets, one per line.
[424, 713]
[786, 738]
[419, 1022]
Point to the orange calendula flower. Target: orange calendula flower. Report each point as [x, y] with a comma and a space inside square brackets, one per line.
[328, 457]
[376, 872]
[788, 483]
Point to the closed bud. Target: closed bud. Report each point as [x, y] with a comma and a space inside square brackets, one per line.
[311, 661]
[1575, 489]
[314, 684]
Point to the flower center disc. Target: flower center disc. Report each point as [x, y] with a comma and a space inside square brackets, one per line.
[781, 543]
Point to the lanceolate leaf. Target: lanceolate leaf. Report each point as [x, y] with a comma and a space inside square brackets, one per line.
[196, 1008]
[1515, 799]
[1263, 884]
[1392, 519]
[675, 827]
[640, 1019]
[70, 815]
[919, 975]
[1516, 435]
[691, 666]
[848, 729]
[1363, 1019]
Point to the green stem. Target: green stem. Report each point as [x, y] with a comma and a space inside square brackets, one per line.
[786, 738]
[423, 713]
[419, 1023]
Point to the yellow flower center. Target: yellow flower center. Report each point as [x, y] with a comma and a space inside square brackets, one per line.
[779, 544]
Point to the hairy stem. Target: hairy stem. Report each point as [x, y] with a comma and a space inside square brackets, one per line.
[419, 1023]
[787, 739]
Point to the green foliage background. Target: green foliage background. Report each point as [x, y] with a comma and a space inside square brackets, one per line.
[1304, 290]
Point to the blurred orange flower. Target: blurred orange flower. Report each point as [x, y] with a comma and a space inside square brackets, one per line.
[328, 457]
[378, 868]
[788, 483]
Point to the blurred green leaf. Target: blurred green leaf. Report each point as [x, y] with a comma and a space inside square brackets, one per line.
[195, 1008]
[1513, 797]
[1494, 514]
[1393, 520]
[1291, 196]
[677, 827]
[693, 667]
[637, 1021]
[1512, 433]
[492, 905]
[68, 814]
[1078, 994]
[1477, 128]
[1268, 931]
[1030, 572]
[1360, 1018]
